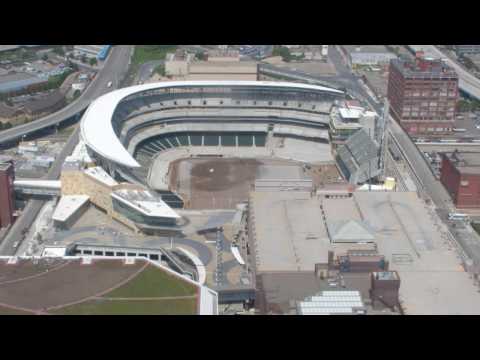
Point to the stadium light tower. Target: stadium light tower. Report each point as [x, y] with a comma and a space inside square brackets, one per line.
[384, 139]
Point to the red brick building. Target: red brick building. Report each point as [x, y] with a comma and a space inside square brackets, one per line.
[423, 94]
[460, 174]
[7, 194]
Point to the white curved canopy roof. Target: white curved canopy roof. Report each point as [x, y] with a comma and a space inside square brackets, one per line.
[96, 125]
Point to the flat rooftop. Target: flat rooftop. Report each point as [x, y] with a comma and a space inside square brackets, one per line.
[366, 49]
[414, 242]
[100, 175]
[289, 233]
[223, 66]
[466, 162]
[146, 202]
[424, 68]
[68, 205]
[290, 238]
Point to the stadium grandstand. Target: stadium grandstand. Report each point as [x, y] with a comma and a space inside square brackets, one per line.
[125, 130]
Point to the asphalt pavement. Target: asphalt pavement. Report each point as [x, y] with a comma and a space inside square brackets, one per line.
[146, 70]
[114, 69]
[34, 206]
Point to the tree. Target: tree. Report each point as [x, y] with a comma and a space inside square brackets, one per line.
[160, 70]
[72, 66]
[282, 51]
[76, 94]
[93, 61]
[45, 57]
[202, 56]
[463, 106]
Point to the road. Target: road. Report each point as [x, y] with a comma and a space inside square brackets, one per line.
[344, 78]
[114, 68]
[467, 82]
[146, 70]
[34, 206]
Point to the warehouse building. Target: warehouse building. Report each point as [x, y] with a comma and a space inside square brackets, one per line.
[224, 55]
[364, 55]
[223, 70]
[17, 82]
[460, 174]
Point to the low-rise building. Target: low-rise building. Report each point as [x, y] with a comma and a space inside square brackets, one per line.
[19, 81]
[224, 55]
[92, 51]
[460, 174]
[223, 70]
[132, 205]
[361, 55]
[347, 120]
[176, 64]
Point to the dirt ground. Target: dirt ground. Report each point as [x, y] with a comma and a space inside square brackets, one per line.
[215, 183]
[324, 174]
[221, 183]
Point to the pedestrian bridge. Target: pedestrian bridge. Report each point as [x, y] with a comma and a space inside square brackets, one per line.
[38, 187]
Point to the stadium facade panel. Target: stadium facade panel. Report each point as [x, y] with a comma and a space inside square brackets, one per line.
[112, 120]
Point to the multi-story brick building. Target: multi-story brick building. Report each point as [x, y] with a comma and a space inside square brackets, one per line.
[423, 94]
[7, 194]
[460, 174]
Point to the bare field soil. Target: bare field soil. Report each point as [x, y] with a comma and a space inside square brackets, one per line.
[222, 183]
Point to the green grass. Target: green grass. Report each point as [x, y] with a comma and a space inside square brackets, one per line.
[146, 53]
[125, 307]
[154, 282]
[160, 70]
[143, 54]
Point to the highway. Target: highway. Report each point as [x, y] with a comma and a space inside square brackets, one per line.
[467, 82]
[114, 68]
